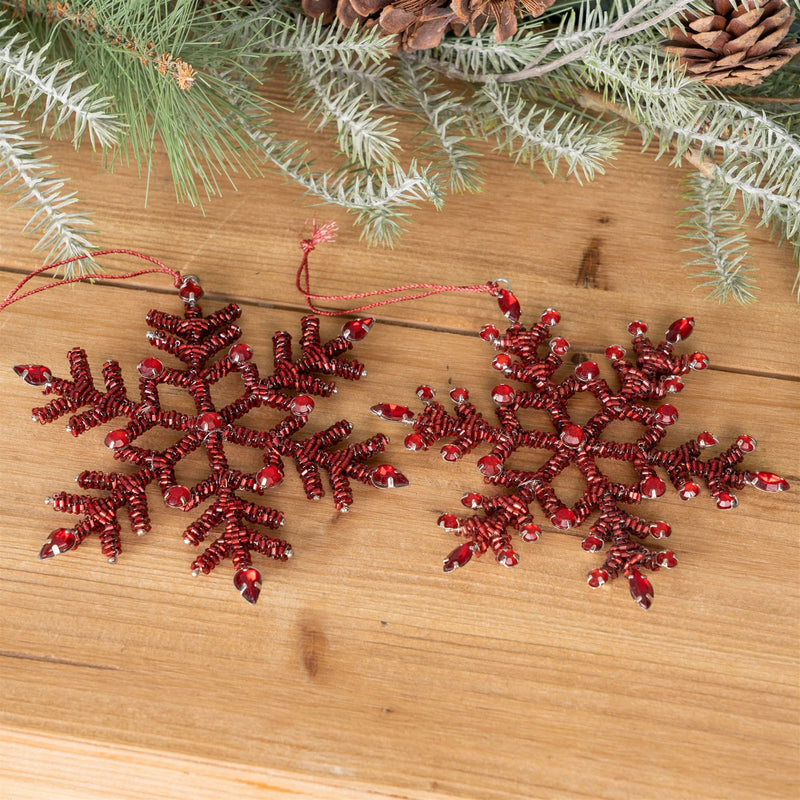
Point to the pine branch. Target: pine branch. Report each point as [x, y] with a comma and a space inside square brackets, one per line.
[721, 240]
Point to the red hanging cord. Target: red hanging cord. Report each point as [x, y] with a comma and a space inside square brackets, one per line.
[415, 291]
[14, 295]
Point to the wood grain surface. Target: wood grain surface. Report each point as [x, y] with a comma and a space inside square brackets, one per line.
[363, 671]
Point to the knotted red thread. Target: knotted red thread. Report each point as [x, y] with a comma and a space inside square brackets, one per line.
[14, 296]
[415, 291]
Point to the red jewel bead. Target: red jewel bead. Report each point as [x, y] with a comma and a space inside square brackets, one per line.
[615, 352]
[269, 476]
[509, 305]
[177, 496]
[592, 543]
[530, 532]
[472, 500]
[660, 530]
[679, 330]
[673, 385]
[503, 394]
[115, 440]
[726, 500]
[490, 466]
[698, 361]
[653, 487]
[459, 395]
[34, 374]
[240, 353]
[502, 363]
[688, 490]
[587, 371]
[746, 443]
[563, 519]
[150, 368]
[706, 439]
[641, 589]
[768, 482]
[559, 346]
[573, 435]
[458, 557]
[551, 317]
[301, 406]
[426, 393]
[209, 421]
[508, 557]
[59, 541]
[449, 522]
[247, 581]
[489, 333]
[387, 477]
[637, 328]
[357, 329]
[597, 577]
[667, 559]
[190, 289]
[666, 414]
[414, 442]
[392, 412]
[451, 452]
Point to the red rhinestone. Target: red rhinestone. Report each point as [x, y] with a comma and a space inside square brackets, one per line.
[240, 353]
[414, 442]
[59, 541]
[530, 532]
[34, 374]
[726, 500]
[637, 328]
[489, 333]
[269, 476]
[559, 346]
[641, 590]
[150, 368]
[653, 487]
[706, 439]
[177, 496]
[503, 394]
[472, 500]
[660, 530]
[459, 395]
[666, 414]
[592, 543]
[490, 466]
[688, 490]
[508, 557]
[357, 329]
[449, 522]
[573, 435]
[190, 289]
[698, 361]
[426, 393]
[502, 362]
[597, 577]
[460, 556]
[115, 440]
[667, 559]
[387, 477]
[302, 405]
[451, 452]
[209, 421]
[509, 305]
[673, 384]
[587, 371]
[768, 482]
[551, 317]
[392, 412]
[615, 352]
[679, 330]
[746, 443]
[247, 581]
[563, 519]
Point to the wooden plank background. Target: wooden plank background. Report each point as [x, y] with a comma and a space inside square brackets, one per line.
[364, 671]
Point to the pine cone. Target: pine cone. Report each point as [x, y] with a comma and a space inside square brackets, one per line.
[737, 44]
[421, 24]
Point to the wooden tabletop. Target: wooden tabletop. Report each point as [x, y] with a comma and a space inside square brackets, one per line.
[364, 671]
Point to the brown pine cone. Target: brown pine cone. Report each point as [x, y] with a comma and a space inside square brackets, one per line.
[737, 43]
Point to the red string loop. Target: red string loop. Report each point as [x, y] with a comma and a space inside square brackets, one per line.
[14, 295]
[414, 291]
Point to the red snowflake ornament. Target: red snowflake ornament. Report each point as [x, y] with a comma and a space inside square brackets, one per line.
[655, 373]
[195, 340]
